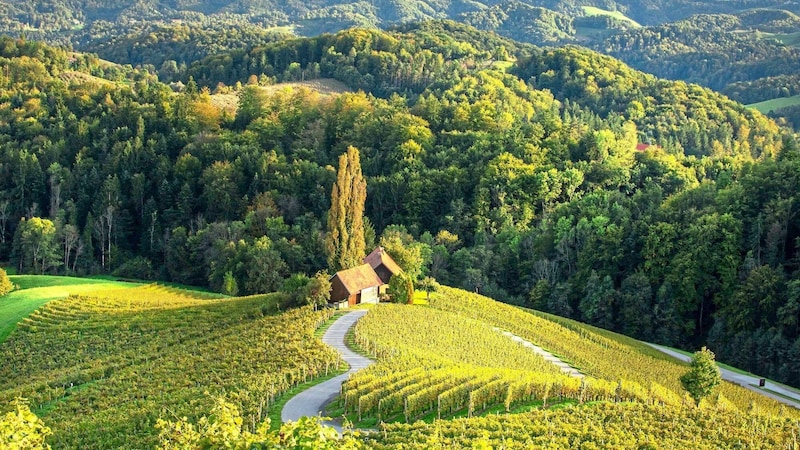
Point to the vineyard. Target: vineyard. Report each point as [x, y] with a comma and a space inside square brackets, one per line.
[599, 426]
[595, 352]
[452, 360]
[102, 369]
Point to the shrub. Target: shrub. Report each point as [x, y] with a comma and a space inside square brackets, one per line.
[401, 288]
[139, 267]
[5, 284]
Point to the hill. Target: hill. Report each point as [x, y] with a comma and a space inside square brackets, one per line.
[557, 178]
[711, 42]
[103, 368]
[34, 291]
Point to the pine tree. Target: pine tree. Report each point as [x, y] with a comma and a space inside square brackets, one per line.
[703, 375]
[344, 243]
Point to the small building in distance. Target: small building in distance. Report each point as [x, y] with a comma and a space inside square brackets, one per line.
[382, 264]
[350, 287]
[365, 283]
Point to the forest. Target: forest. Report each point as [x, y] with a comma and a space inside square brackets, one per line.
[559, 179]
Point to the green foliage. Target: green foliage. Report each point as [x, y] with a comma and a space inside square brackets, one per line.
[428, 284]
[401, 288]
[22, 429]
[520, 181]
[137, 267]
[302, 290]
[6, 285]
[344, 243]
[225, 428]
[410, 255]
[229, 284]
[37, 245]
[703, 375]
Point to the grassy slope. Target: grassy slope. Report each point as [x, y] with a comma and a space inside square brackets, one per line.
[325, 86]
[789, 39]
[593, 11]
[776, 103]
[36, 290]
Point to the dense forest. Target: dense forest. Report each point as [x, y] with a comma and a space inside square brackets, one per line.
[559, 179]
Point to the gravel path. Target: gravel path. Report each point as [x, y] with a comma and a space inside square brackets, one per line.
[549, 357]
[780, 393]
[313, 400]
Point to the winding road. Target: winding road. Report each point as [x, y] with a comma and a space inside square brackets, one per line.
[774, 391]
[313, 400]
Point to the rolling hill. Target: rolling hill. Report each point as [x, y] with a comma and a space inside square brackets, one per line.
[713, 43]
[103, 368]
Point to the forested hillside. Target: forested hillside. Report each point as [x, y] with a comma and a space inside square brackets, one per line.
[746, 48]
[510, 170]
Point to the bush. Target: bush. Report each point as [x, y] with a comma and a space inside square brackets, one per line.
[5, 284]
[302, 290]
[401, 288]
[139, 268]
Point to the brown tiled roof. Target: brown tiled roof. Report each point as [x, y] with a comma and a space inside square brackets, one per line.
[358, 278]
[378, 257]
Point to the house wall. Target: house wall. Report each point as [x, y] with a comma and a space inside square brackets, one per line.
[369, 295]
[338, 291]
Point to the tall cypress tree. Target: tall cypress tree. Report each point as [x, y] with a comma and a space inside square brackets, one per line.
[344, 242]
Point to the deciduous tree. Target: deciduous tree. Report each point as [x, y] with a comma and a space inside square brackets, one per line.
[703, 375]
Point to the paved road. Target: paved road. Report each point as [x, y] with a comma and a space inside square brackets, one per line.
[746, 381]
[313, 400]
[549, 357]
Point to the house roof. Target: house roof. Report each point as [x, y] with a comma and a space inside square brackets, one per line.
[378, 257]
[640, 147]
[358, 278]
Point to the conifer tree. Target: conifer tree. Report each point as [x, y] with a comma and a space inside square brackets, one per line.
[344, 243]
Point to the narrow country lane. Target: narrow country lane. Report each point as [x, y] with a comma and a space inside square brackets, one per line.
[313, 400]
[549, 357]
[774, 391]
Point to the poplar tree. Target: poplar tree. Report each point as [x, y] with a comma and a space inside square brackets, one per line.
[344, 243]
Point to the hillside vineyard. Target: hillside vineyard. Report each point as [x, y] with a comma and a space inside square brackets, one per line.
[576, 191]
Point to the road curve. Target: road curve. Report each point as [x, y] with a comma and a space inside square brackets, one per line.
[787, 396]
[313, 400]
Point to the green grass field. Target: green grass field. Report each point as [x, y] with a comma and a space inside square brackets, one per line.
[788, 39]
[594, 11]
[775, 104]
[36, 290]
